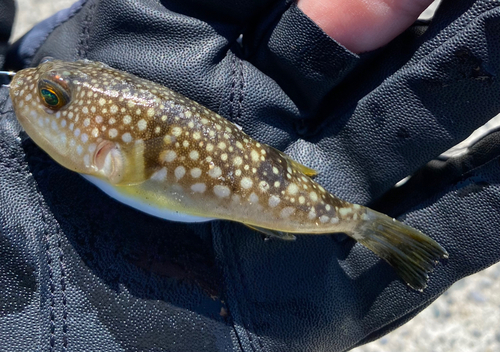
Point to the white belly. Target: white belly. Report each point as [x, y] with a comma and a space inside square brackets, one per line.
[138, 204]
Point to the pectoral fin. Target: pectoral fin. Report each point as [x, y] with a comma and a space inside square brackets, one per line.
[272, 233]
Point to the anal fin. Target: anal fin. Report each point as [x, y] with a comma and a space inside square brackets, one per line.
[273, 233]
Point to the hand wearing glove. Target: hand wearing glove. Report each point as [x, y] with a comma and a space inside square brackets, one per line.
[84, 272]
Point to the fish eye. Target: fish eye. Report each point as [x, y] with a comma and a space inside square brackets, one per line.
[53, 95]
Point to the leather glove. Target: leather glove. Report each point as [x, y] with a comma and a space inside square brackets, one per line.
[84, 272]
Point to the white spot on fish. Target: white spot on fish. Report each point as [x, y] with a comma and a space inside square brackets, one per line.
[196, 172]
[345, 211]
[63, 139]
[142, 125]
[246, 183]
[274, 201]
[199, 187]
[126, 137]
[324, 218]
[286, 212]
[313, 196]
[112, 133]
[312, 214]
[176, 131]
[170, 156]
[292, 188]
[253, 198]
[179, 172]
[334, 220]
[160, 175]
[194, 155]
[255, 155]
[264, 186]
[215, 172]
[84, 137]
[127, 119]
[222, 191]
[238, 161]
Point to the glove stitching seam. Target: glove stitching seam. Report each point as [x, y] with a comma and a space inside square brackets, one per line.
[63, 290]
[237, 72]
[250, 336]
[233, 273]
[52, 286]
[83, 43]
[235, 269]
[233, 88]
[241, 89]
[51, 275]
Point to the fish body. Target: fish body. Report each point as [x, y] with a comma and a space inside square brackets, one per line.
[162, 153]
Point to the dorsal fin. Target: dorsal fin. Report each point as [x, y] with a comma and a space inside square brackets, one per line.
[302, 168]
[295, 164]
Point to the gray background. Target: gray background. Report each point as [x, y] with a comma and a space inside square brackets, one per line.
[464, 318]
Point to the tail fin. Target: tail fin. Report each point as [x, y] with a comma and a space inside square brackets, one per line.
[411, 253]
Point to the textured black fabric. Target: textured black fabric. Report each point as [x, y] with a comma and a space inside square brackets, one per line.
[7, 11]
[83, 272]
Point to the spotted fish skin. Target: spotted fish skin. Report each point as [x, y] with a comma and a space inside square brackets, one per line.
[162, 153]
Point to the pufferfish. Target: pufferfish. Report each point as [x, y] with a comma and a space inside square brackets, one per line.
[164, 154]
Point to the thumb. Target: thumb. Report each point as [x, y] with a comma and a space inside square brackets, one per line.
[363, 25]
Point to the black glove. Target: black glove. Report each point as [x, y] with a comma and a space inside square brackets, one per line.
[88, 273]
